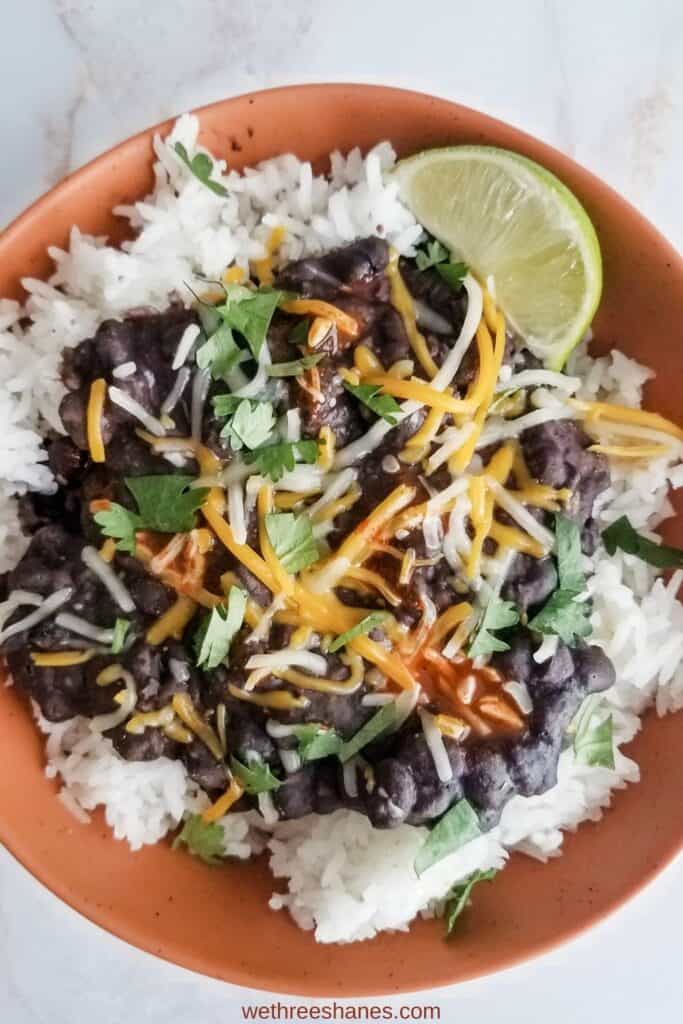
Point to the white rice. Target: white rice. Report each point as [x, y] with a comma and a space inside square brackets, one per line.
[345, 880]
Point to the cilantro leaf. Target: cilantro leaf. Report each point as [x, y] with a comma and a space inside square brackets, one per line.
[562, 615]
[453, 273]
[294, 368]
[299, 332]
[273, 459]
[316, 741]
[251, 425]
[435, 253]
[622, 535]
[218, 629]
[593, 743]
[220, 354]
[365, 626]
[459, 896]
[381, 721]
[568, 554]
[201, 166]
[166, 504]
[256, 777]
[121, 524]
[458, 826]
[498, 614]
[121, 627]
[250, 313]
[385, 406]
[292, 539]
[202, 840]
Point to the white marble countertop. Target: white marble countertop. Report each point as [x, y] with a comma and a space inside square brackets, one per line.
[602, 81]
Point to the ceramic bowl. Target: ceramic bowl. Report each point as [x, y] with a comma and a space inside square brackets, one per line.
[217, 921]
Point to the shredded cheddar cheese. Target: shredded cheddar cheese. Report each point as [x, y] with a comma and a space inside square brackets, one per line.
[636, 451]
[417, 445]
[221, 807]
[108, 550]
[513, 537]
[326, 448]
[61, 659]
[402, 302]
[365, 360]
[172, 622]
[316, 307]
[447, 622]
[280, 700]
[419, 391]
[137, 724]
[304, 681]
[234, 274]
[599, 411]
[188, 714]
[98, 392]
[263, 268]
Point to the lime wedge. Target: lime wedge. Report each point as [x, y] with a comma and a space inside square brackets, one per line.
[510, 219]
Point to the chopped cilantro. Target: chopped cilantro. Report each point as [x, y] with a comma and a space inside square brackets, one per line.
[498, 614]
[250, 312]
[568, 554]
[201, 166]
[622, 535]
[434, 253]
[220, 354]
[120, 523]
[218, 629]
[365, 626]
[292, 539]
[299, 332]
[256, 777]
[371, 395]
[381, 721]
[459, 896]
[453, 273]
[202, 840]
[458, 826]
[294, 368]
[166, 504]
[316, 741]
[121, 627]
[562, 615]
[250, 425]
[272, 460]
[593, 742]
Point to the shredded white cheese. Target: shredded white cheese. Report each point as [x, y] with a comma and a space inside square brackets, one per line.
[108, 578]
[189, 336]
[133, 407]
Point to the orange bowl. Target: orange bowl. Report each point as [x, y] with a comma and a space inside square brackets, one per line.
[216, 921]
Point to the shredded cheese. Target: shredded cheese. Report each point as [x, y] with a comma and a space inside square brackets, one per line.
[221, 807]
[625, 414]
[172, 622]
[326, 448]
[263, 268]
[152, 719]
[188, 714]
[98, 391]
[636, 451]
[316, 307]
[402, 301]
[365, 360]
[61, 659]
[418, 391]
[281, 700]
[447, 622]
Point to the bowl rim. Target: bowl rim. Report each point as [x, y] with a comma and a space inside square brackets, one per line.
[12, 842]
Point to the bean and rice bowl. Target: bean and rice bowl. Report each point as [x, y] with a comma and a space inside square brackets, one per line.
[306, 554]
